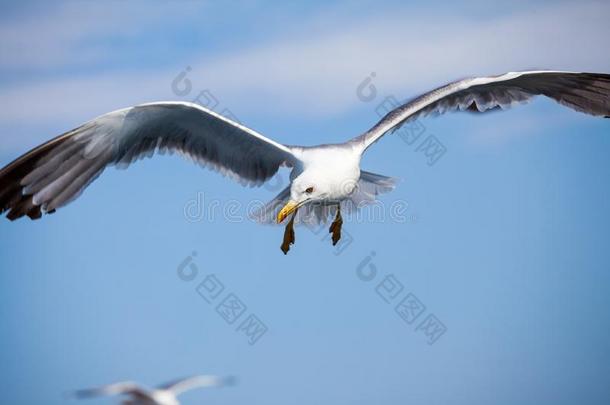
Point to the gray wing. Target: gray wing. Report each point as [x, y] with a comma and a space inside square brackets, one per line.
[585, 92]
[55, 173]
[185, 384]
[128, 388]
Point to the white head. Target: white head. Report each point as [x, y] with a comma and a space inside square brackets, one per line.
[305, 189]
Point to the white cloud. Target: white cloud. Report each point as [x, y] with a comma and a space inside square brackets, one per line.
[72, 33]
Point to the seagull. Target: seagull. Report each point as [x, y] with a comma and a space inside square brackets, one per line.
[165, 394]
[323, 179]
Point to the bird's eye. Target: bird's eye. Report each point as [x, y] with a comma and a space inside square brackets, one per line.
[309, 190]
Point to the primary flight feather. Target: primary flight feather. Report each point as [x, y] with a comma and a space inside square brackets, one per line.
[323, 178]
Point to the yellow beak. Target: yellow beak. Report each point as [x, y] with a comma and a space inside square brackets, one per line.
[287, 210]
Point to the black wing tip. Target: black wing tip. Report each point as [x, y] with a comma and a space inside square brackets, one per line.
[25, 208]
[12, 200]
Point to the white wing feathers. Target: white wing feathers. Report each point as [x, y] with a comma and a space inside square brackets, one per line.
[55, 173]
[585, 92]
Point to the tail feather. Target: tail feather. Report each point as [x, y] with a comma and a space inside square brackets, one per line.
[370, 186]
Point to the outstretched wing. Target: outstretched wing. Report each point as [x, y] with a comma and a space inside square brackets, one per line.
[200, 381]
[56, 172]
[585, 92]
[119, 388]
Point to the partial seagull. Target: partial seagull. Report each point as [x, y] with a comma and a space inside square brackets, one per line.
[165, 394]
[324, 178]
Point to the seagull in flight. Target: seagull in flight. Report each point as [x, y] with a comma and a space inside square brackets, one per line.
[165, 394]
[323, 180]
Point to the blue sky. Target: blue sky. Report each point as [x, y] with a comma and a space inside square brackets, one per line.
[503, 239]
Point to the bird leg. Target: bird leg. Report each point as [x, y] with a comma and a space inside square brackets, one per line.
[335, 227]
[289, 234]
